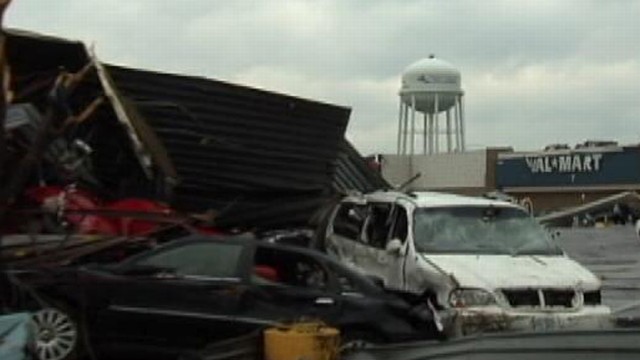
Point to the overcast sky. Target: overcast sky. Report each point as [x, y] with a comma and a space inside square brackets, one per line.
[534, 72]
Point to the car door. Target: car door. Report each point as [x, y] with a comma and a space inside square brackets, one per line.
[369, 313]
[344, 232]
[190, 301]
[288, 285]
[370, 254]
[394, 274]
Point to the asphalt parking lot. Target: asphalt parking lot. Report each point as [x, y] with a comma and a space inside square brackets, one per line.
[612, 253]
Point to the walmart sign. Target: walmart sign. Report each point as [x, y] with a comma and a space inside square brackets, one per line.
[572, 163]
[579, 168]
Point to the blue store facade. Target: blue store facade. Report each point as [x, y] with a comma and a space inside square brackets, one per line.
[550, 180]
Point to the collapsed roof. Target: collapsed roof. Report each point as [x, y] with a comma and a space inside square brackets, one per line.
[248, 157]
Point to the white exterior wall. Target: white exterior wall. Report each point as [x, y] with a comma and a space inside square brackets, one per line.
[439, 171]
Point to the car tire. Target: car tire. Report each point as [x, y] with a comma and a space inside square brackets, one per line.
[58, 334]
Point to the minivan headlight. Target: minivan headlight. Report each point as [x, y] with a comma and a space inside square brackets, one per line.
[461, 298]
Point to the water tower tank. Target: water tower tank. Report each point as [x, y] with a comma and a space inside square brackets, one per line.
[430, 87]
[426, 78]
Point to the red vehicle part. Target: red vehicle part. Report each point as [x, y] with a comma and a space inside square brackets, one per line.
[70, 203]
[136, 226]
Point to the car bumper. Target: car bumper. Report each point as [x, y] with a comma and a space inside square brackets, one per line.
[475, 320]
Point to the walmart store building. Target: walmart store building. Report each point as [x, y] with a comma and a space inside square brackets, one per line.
[554, 179]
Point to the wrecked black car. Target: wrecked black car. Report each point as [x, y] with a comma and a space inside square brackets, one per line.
[199, 290]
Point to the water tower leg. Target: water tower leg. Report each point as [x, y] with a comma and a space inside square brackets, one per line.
[413, 124]
[435, 119]
[456, 122]
[427, 119]
[437, 133]
[462, 140]
[448, 130]
[425, 136]
[405, 128]
[400, 128]
[430, 133]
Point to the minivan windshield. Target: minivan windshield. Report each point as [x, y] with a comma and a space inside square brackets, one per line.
[480, 230]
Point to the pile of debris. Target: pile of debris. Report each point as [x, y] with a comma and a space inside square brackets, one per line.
[100, 162]
[93, 150]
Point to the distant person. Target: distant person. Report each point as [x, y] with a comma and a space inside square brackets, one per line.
[619, 216]
[638, 227]
[588, 220]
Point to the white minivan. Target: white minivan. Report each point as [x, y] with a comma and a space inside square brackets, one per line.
[489, 264]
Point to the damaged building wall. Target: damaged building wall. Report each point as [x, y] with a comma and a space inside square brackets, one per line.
[468, 173]
[246, 154]
[241, 156]
[458, 172]
[242, 138]
[353, 172]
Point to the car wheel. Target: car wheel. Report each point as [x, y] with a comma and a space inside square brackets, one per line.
[57, 334]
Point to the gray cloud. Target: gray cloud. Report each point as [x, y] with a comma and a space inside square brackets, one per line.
[534, 72]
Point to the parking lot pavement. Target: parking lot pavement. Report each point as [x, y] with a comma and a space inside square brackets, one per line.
[612, 253]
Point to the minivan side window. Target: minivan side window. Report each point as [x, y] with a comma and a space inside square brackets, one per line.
[349, 220]
[378, 225]
[400, 228]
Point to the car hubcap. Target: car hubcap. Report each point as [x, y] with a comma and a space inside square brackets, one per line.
[56, 334]
[356, 345]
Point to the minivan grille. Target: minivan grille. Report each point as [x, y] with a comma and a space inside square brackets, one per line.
[563, 298]
[592, 298]
[540, 297]
[526, 297]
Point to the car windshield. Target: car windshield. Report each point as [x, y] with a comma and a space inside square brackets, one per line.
[480, 230]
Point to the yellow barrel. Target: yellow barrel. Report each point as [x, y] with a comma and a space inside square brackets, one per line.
[302, 341]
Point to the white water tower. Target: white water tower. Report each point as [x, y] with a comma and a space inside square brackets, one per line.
[430, 87]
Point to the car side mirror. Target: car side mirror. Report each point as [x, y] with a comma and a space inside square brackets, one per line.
[394, 247]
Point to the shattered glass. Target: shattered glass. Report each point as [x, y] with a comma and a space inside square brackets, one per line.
[480, 230]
